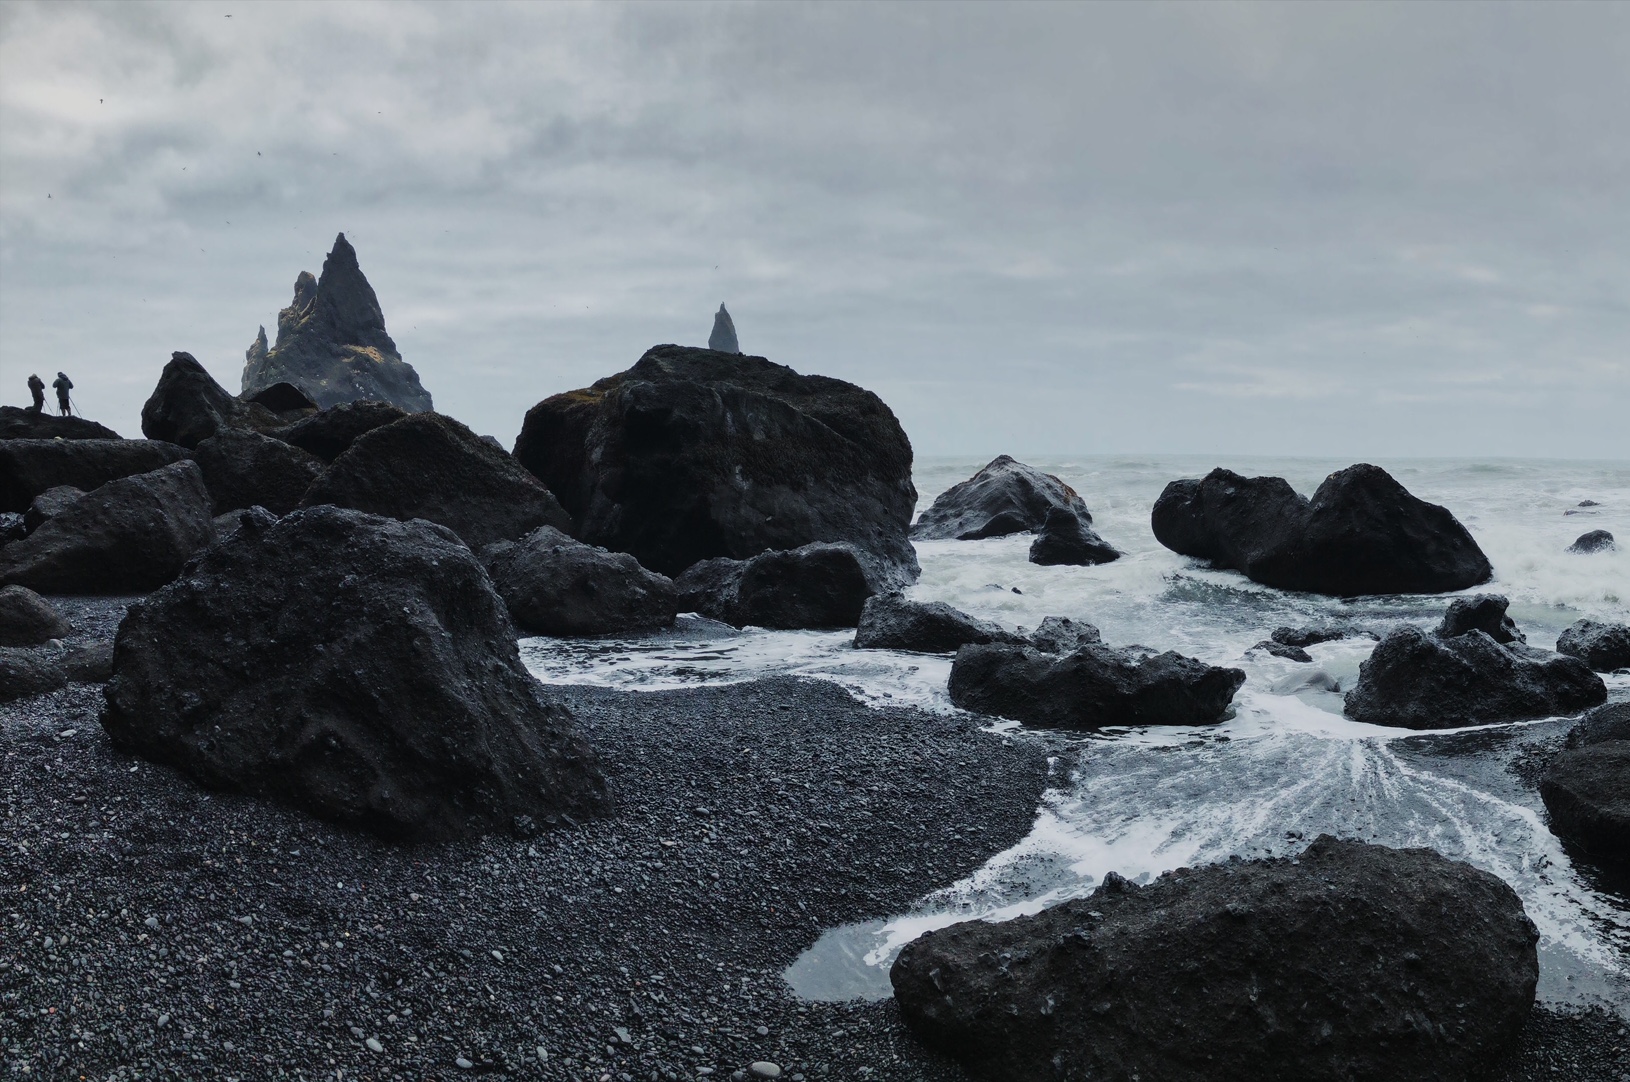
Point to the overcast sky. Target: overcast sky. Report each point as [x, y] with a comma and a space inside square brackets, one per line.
[1361, 230]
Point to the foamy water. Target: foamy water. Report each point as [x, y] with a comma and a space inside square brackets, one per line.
[1285, 769]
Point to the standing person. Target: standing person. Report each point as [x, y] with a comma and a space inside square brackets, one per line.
[63, 385]
[36, 387]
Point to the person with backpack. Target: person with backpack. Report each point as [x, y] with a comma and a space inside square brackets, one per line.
[63, 385]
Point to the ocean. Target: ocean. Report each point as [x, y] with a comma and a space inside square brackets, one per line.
[1286, 768]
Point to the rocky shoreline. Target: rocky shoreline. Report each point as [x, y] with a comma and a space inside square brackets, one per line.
[208, 935]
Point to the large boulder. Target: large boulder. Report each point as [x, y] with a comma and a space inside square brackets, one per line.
[188, 406]
[1361, 533]
[1092, 687]
[353, 666]
[1610, 721]
[890, 622]
[1587, 791]
[285, 400]
[1594, 541]
[127, 537]
[816, 586]
[1005, 497]
[1480, 612]
[49, 504]
[29, 671]
[30, 467]
[18, 423]
[332, 343]
[429, 466]
[27, 619]
[694, 454]
[1420, 681]
[555, 585]
[1064, 540]
[1603, 646]
[246, 469]
[1350, 963]
[329, 434]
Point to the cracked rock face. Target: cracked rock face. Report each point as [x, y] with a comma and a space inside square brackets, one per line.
[332, 343]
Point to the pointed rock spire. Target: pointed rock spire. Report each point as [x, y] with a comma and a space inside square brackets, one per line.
[332, 342]
[723, 337]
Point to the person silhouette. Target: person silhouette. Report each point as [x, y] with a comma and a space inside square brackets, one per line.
[63, 385]
[36, 387]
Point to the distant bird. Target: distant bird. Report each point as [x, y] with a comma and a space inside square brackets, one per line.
[99, 101]
[257, 153]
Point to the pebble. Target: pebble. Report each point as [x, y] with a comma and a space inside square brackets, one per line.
[151, 922]
[763, 1031]
[764, 1069]
[462, 1064]
[374, 1045]
[163, 1020]
[498, 956]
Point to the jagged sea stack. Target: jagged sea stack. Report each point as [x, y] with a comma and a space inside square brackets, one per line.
[723, 337]
[332, 343]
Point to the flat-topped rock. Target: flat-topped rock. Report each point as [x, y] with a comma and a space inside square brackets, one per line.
[556, 585]
[356, 667]
[1349, 963]
[694, 454]
[332, 344]
[1586, 789]
[19, 423]
[1361, 533]
[30, 467]
[890, 622]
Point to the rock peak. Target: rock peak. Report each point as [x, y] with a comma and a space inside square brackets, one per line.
[332, 343]
[723, 337]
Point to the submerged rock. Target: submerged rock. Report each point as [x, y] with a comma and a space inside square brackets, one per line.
[18, 423]
[1313, 636]
[1091, 688]
[723, 337]
[1064, 540]
[330, 433]
[188, 406]
[1283, 650]
[1005, 497]
[1481, 612]
[332, 343]
[1604, 647]
[1587, 791]
[1361, 533]
[356, 667]
[246, 469]
[1350, 963]
[816, 586]
[27, 619]
[890, 622]
[1594, 541]
[126, 537]
[694, 454]
[30, 467]
[554, 585]
[429, 466]
[1421, 681]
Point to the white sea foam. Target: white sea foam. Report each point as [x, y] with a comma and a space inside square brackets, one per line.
[1142, 802]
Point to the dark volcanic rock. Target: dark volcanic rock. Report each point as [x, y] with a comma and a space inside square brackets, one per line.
[1421, 681]
[1064, 540]
[332, 343]
[723, 338]
[12, 528]
[1610, 721]
[329, 434]
[129, 536]
[555, 585]
[27, 619]
[694, 454]
[1005, 497]
[30, 467]
[890, 622]
[429, 466]
[1604, 647]
[1093, 687]
[1362, 533]
[188, 406]
[1352, 963]
[49, 504]
[247, 469]
[285, 398]
[1587, 791]
[1284, 650]
[25, 672]
[1594, 541]
[816, 586]
[356, 667]
[1312, 636]
[17, 423]
[1480, 612]
[1062, 635]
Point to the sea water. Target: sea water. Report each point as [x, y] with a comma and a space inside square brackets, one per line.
[1287, 767]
